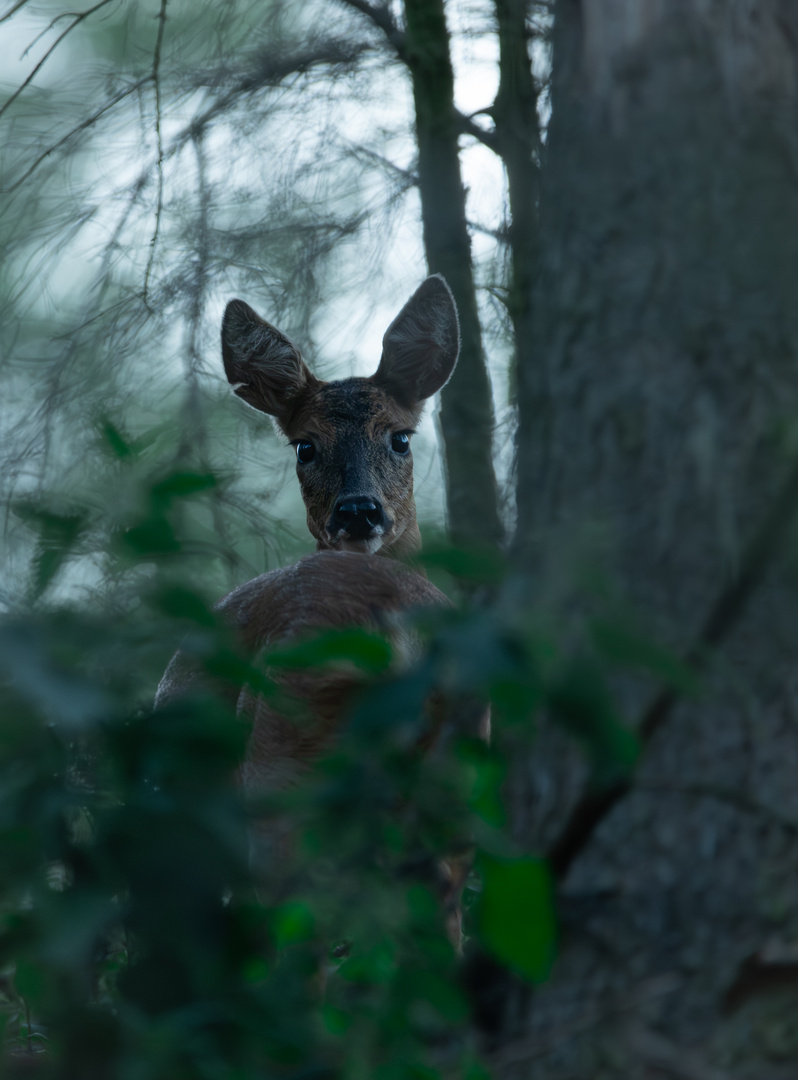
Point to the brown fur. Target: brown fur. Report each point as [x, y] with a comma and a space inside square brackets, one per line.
[351, 423]
[326, 590]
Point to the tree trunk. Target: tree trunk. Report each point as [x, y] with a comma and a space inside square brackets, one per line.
[656, 431]
[517, 140]
[466, 402]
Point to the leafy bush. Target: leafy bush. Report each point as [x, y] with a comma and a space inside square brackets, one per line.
[133, 939]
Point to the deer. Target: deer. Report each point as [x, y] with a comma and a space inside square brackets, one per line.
[352, 436]
[355, 468]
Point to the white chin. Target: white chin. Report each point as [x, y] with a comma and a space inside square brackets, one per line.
[364, 547]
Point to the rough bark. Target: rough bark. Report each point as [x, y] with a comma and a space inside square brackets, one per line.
[655, 434]
[466, 415]
[517, 140]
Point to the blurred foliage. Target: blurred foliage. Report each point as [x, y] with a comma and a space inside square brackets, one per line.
[165, 157]
[133, 939]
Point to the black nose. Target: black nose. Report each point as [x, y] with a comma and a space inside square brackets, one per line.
[358, 517]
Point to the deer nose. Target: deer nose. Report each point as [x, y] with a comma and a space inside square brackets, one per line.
[358, 517]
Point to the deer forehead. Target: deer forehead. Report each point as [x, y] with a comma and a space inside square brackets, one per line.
[349, 408]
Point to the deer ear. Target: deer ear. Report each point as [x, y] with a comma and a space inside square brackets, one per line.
[263, 366]
[420, 347]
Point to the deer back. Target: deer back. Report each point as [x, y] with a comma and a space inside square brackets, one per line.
[324, 591]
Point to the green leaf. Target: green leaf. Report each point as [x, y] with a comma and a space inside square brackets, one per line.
[515, 914]
[367, 651]
[336, 1021]
[475, 1070]
[482, 566]
[29, 980]
[113, 438]
[443, 995]
[376, 965]
[180, 485]
[152, 536]
[58, 534]
[514, 700]
[180, 603]
[255, 969]
[488, 773]
[230, 667]
[292, 923]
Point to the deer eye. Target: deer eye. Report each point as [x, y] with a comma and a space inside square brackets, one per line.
[305, 452]
[400, 443]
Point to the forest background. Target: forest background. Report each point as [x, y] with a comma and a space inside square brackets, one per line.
[610, 189]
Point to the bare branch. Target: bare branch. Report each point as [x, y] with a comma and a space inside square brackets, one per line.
[193, 435]
[466, 126]
[13, 10]
[82, 126]
[406, 177]
[380, 15]
[272, 72]
[499, 235]
[265, 75]
[58, 18]
[78, 19]
[156, 64]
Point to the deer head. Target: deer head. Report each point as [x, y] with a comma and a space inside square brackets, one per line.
[352, 436]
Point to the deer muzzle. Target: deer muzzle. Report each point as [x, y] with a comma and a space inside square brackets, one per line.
[359, 518]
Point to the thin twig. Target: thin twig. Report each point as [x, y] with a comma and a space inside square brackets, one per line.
[273, 76]
[594, 806]
[156, 65]
[60, 369]
[250, 84]
[58, 18]
[381, 16]
[13, 10]
[466, 126]
[407, 176]
[28, 1024]
[78, 19]
[193, 429]
[87, 123]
